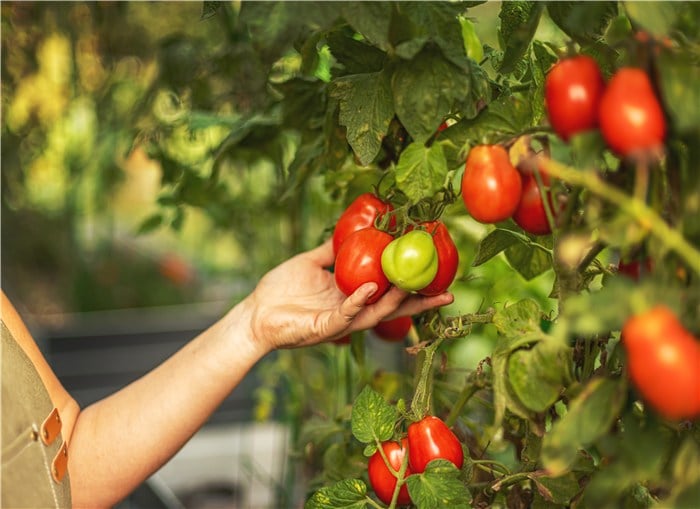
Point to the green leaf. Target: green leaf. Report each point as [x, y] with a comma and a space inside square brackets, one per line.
[421, 171]
[559, 490]
[373, 419]
[657, 18]
[583, 22]
[346, 494]
[529, 260]
[366, 109]
[425, 89]
[439, 487]
[495, 242]
[519, 319]
[539, 375]
[590, 416]
[355, 56]
[519, 21]
[677, 71]
[150, 224]
[371, 19]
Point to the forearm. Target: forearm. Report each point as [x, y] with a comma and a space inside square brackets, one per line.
[120, 441]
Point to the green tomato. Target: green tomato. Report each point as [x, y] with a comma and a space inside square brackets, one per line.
[410, 262]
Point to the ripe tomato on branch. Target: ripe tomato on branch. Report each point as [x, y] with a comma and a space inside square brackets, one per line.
[361, 213]
[382, 480]
[359, 261]
[531, 215]
[631, 118]
[573, 89]
[491, 186]
[448, 258]
[395, 329]
[663, 361]
[430, 439]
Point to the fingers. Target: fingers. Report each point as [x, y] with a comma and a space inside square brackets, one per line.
[353, 305]
[415, 304]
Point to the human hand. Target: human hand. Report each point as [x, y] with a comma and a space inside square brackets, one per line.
[298, 303]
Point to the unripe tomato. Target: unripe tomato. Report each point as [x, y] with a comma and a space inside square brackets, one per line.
[395, 329]
[430, 439]
[491, 186]
[573, 89]
[410, 261]
[663, 361]
[631, 118]
[359, 261]
[381, 479]
[448, 258]
[361, 213]
[530, 214]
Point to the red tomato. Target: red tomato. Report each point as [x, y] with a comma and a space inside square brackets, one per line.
[448, 258]
[430, 439]
[345, 340]
[359, 261]
[631, 118]
[491, 186]
[634, 269]
[573, 89]
[382, 479]
[361, 213]
[663, 361]
[530, 214]
[395, 329]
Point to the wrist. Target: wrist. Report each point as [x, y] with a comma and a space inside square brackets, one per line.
[240, 331]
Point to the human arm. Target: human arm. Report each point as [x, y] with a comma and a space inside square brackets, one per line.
[121, 440]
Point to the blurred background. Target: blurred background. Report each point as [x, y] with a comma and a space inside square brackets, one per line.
[149, 178]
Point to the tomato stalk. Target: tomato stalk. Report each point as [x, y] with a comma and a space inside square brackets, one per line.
[634, 207]
[465, 395]
[422, 398]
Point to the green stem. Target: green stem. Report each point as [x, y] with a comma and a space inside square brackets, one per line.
[633, 206]
[420, 404]
[462, 400]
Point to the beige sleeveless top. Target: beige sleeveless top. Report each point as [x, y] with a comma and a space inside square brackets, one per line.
[34, 456]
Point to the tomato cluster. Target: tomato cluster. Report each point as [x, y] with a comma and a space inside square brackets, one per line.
[422, 259]
[494, 190]
[663, 360]
[625, 109]
[428, 439]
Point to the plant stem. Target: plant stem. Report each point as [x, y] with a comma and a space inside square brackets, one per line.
[464, 397]
[420, 404]
[633, 206]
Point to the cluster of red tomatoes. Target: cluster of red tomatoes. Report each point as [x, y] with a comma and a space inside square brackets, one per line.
[423, 258]
[626, 109]
[428, 439]
[493, 190]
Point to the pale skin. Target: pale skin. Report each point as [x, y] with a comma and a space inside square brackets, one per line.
[118, 442]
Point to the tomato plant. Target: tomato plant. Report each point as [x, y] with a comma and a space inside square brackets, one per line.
[447, 255]
[359, 261]
[430, 439]
[395, 329]
[631, 118]
[383, 480]
[573, 89]
[664, 362]
[361, 213]
[491, 186]
[411, 261]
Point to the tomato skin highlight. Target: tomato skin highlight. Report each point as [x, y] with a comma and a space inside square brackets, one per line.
[361, 213]
[573, 90]
[410, 261]
[663, 361]
[530, 214]
[430, 439]
[491, 186]
[381, 479]
[359, 261]
[448, 258]
[630, 115]
[395, 329]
